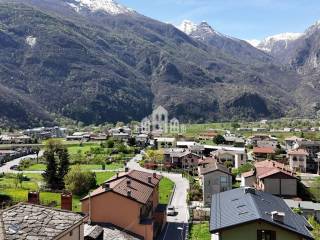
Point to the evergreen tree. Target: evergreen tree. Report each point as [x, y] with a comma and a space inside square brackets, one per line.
[50, 175]
[64, 165]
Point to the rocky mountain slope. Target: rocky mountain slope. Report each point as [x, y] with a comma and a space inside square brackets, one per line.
[96, 61]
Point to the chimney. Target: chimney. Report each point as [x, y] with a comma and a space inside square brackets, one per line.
[128, 182]
[106, 186]
[66, 201]
[34, 198]
[126, 169]
[278, 216]
[154, 175]
[149, 179]
[117, 174]
[129, 193]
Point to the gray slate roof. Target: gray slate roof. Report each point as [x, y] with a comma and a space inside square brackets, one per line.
[27, 221]
[108, 232]
[235, 207]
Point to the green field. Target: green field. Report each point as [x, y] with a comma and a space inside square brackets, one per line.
[200, 231]
[89, 167]
[165, 190]
[19, 193]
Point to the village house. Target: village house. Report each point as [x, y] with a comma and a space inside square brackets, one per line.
[298, 159]
[291, 142]
[262, 153]
[30, 221]
[312, 147]
[181, 158]
[142, 139]
[272, 177]
[208, 135]
[307, 208]
[130, 201]
[235, 157]
[246, 213]
[231, 139]
[260, 138]
[214, 178]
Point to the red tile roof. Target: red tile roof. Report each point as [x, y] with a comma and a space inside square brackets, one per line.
[267, 150]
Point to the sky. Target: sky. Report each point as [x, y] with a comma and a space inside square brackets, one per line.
[244, 19]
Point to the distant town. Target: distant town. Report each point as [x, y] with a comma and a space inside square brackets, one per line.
[161, 179]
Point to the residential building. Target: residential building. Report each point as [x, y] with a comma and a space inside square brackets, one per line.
[236, 157]
[214, 178]
[312, 147]
[262, 153]
[130, 201]
[253, 140]
[208, 135]
[29, 221]
[181, 158]
[246, 213]
[142, 139]
[307, 208]
[290, 142]
[272, 177]
[298, 159]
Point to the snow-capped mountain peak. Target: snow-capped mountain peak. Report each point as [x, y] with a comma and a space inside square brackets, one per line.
[274, 42]
[108, 6]
[254, 42]
[187, 26]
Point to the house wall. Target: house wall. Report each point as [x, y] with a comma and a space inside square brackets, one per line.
[112, 208]
[73, 234]
[248, 181]
[249, 232]
[280, 186]
[298, 162]
[211, 185]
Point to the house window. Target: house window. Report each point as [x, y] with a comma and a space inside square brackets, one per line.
[223, 183]
[266, 235]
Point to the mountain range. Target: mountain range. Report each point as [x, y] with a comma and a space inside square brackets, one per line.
[97, 61]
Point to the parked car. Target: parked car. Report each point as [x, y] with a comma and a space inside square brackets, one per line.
[14, 167]
[171, 211]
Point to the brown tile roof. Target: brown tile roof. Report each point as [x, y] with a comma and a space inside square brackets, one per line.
[267, 150]
[206, 160]
[213, 167]
[28, 221]
[269, 167]
[135, 182]
[299, 151]
[248, 174]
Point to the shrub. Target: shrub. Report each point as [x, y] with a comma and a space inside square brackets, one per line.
[80, 182]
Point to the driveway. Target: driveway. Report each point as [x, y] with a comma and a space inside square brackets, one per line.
[176, 227]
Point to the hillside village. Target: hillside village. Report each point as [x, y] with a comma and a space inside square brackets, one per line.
[160, 179]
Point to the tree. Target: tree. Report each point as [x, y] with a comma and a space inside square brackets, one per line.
[80, 182]
[64, 165]
[18, 180]
[36, 150]
[50, 175]
[219, 139]
[110, 143]
[235, 125]
[57, 162]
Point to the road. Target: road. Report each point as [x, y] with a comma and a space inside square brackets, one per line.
[176, 227]
[6, 167]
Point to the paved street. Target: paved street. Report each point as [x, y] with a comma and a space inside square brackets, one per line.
[6, 167]
[176, 227]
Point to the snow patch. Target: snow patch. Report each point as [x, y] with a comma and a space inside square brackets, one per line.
[109, 6]
[253, 42]
[187, 26]
[31, 41]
